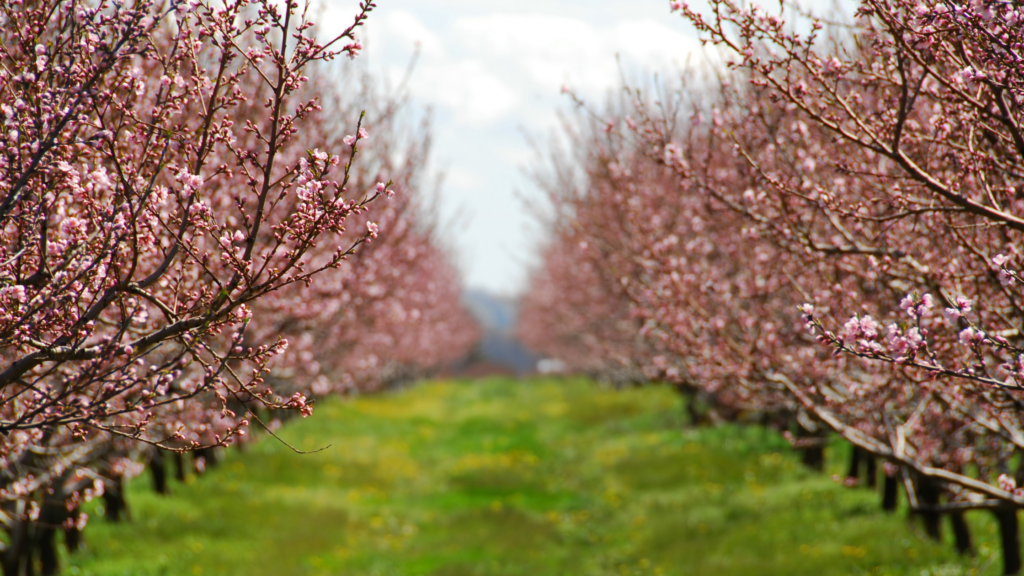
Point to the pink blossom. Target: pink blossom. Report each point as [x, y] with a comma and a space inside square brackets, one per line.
[971, 337]
[907, 304]
[962, 307]
[964, 75]
[952, 315]
[916, 309]
[353, 49]
[16, 292]
[927, 302]
[73, 228]
[913, 337]
[188, 179]
[298, 400]
[1005, 278]
[243, 312]
[860, 328]
[673, 153]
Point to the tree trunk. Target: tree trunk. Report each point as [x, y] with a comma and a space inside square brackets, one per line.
[961, 533]
[204, 458]
[46, 543]
[812, 455]
[692, 411]
[13, 556]
[28, 566]
[812, 451]
[179, 467]
[1009, 532]
[73, 536]
[871, 470]
[928, 494]
[114, 500]
[53, 514]
[854, 471]
[158, 466]
[814, 458]
[890, 493]
[689, 395]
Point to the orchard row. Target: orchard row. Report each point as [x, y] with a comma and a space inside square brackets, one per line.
[822, 228]
[206, 218]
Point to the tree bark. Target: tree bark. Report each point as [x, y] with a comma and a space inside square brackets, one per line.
[871, 470]
[53, 514]
[114, 500]
[812, 455]
[28, 558]
[208, 456]
[158, 466]
[1009, 532]
[890, 493]
[179, 467]
[814, 458]
[928, 494]
[46, 543]
[961, 534]
[691, 409]
[13, 557]
[73, 536]
[854, 471]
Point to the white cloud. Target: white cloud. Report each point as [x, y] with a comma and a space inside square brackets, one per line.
[486, 68]
[469, 88]
[491, 67]
[654, 45]
[401, 29]
[460, 178]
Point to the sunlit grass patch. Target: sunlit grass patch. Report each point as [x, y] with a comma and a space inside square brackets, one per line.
[500, 477]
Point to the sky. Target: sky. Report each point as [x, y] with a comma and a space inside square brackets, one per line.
[492, 72]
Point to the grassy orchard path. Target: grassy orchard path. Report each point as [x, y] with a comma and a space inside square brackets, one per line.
[506, 478]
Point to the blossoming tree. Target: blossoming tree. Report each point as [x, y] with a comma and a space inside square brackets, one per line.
[164, 172]
[861, 174]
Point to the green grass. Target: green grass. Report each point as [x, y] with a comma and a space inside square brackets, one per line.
[500, 477]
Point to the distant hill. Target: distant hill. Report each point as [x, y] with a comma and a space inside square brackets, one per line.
[498, 346]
